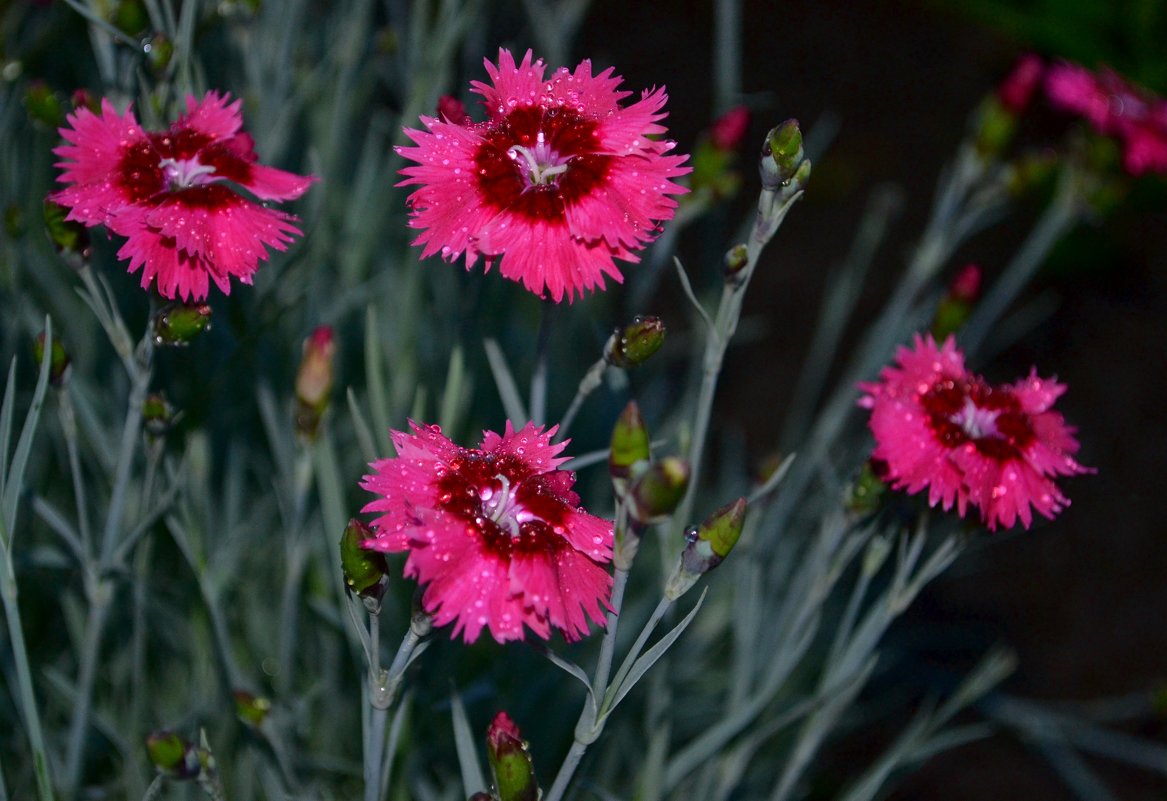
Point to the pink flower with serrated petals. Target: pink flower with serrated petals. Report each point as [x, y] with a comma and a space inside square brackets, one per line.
[558, 182]
[495, 534]
[172, 194]
[941, 428]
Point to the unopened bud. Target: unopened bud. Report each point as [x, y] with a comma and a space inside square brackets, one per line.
[635, 343]
[1031, 171]
[314, 381]
[172, 755]
[781, 154]
[481, 797]
[510, 761]
[14, 222]
[993, 127]
[158, 416]
[659, 490]
[82, 98]
[68, 236]
[363, 569]
[131, 17]
[728, 130]
[1016, 92]
[159, 51]
[178, 324]
[451, 109]
[251, 709]
[868, 489]
[630, 446]
[58, 359]
[707, 546]
[43, 105]
[954, 308]
[736, 259]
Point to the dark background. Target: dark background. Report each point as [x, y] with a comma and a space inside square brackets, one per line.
[1082, 601]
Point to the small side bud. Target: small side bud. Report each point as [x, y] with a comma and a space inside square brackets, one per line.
[364, 570]
[159, 51]
[635, 343]
[782, 154]
[481, 797]
[131, 17]
[510, 761]
[314, 381]
[868, 489]
[83, 98]
[1016, 91]
[43, 105]
[69, 237]
[14, 222]
[630, 446]
[734, 265]
[58, 360]
[173, 756]
[251, 709]
[957, 304]
[728, 130]
[658, 491]
[179, 324]
[707, 546]
[158, 416]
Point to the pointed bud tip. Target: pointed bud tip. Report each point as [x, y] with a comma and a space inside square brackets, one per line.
[363, 569]
[630, 443]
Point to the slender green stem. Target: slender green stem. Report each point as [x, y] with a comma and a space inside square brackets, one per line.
[608, 645]
[587, 385]
[28, 706]
[383, 688]
[155, 788]
[68, 417]
[90, 652]
[538, 404]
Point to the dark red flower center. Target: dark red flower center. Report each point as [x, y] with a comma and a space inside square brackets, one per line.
[972, 411]
[539, 161]
[169, 163]
[505, 503]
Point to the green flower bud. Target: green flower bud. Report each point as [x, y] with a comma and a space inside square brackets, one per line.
[131, 17]
[994, 126]
[177, 324]
[251, 709]
[635, 343]
[659, 490]
[510, 761]
[782, 154]
[58, 359]
[363, 569]
[172, 755]
[736, 259]
[68, 236]
[159, 51]
[14, 222]
[158, 415]
[630, 446]
[868, 489]
[707, 546]
[314, 381]
[43, 105]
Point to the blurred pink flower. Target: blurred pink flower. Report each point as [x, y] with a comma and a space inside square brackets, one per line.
[1115, 108]
[728, 130]
[167, 192]
[1016, 91]
[494, 534]
[940, 427]
[557, 182]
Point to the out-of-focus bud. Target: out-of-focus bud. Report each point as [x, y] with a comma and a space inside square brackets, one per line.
[58, 359]
[43, 105]
[451, 109]
[782, 154]
[178, 324]
[868, 489]
[251, 709]
[954, 308]
[728, 130]
[993, 127]
[707, 546]
[314, 381]
[68, 236]
[510, 761]
[630, 449]
[364, 570]
[658, 491]
[159, 51]
[481, 797]
[82, 98]
[131, 17]
[635, 343]
[173, 756]
[734, 265]
[158, 416]
[387, 41]
[1016, 92]
[1032, 171]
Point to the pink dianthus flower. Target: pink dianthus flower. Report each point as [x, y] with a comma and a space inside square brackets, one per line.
[557, 182]
[938, 426]
[495, 534]
[172, 193]
[1136, 118]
